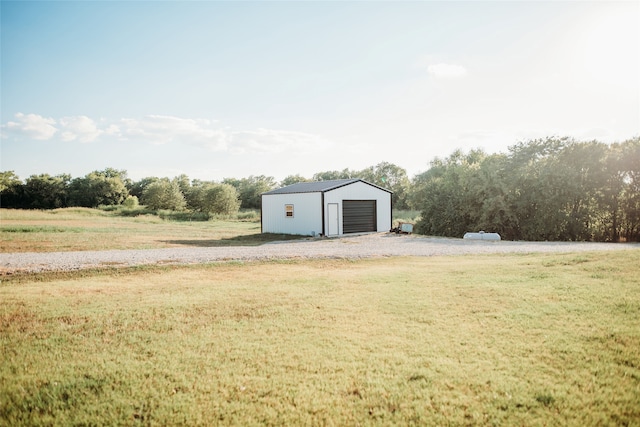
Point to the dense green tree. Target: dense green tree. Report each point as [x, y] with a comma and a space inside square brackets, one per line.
[539, 188]
[97, 188]
[213, 198]
[250, 189]
[184, 183]
[137, 188]
[46, 192]
[164, 194]
[492, 196]
[630, 200]
[544, 189]
[331, 175]
[196, 196]
[9, 179]
[618, 198]
[582, 167]
[11, 190]
[391, 177]
[443, 196]
[554, 185]
[221, 199]
[292, 179]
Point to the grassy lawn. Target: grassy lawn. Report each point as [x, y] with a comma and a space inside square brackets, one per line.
[83, 229]
[80, 229]
[530, 340]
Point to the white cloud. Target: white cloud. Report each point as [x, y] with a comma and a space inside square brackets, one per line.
[274, 141]
[442, 70]
[112, 129]
[80, 128]
[32, 126]
[208, 134]
[161, 129]
[158, 129]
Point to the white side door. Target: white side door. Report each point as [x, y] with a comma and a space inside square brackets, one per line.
[333, 227]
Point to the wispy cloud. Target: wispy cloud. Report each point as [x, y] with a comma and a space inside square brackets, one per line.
[161, 129]
[443, 70]
[273, 141]
[30, 126]
[158, 129]
[80, 128]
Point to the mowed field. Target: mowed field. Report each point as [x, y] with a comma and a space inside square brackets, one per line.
[533, 339]
[82, 229]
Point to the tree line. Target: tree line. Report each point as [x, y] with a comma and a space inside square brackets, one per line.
[543, 189]
[552, 189]
[111, 187]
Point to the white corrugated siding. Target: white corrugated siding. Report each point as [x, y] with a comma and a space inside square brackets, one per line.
[362, 191]
[307, 213]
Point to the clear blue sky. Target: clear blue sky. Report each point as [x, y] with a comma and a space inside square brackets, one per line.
[230, 89]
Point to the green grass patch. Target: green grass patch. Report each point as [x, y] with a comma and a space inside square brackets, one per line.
[80, 229]
[76, 211]
[466, 340]
[38, 229]
[252, 215]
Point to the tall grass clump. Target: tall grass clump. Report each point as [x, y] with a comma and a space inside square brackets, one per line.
[404, 216]
[252, 215]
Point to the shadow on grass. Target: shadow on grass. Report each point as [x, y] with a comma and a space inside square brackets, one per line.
[246, 240]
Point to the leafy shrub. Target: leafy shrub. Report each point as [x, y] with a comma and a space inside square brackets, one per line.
[248, 215]
[164, 194]
[131, 202]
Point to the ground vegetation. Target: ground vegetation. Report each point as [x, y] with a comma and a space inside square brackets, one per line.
[534, 339]
[556, 189]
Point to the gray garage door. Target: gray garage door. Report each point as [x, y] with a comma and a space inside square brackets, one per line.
[358, 216]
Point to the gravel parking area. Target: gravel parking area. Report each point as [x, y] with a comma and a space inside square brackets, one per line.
[353, 247]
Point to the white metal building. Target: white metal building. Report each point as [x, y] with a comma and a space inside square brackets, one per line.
[327, 208]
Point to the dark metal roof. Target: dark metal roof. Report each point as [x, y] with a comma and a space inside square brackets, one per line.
[319, 186]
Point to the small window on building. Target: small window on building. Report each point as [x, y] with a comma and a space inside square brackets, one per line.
[288, 211]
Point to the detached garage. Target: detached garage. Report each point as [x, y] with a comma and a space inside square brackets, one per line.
[328, 208]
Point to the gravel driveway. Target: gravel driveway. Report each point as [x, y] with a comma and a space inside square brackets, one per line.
[361, 246]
